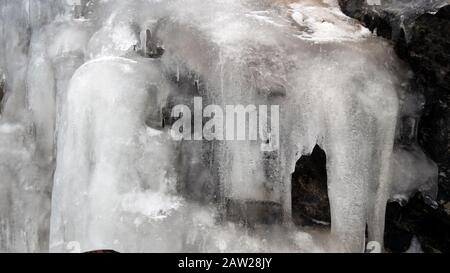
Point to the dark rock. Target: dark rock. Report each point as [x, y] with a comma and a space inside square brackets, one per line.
[428, 53]
[101, 251]
[310, 203]
[417, 218]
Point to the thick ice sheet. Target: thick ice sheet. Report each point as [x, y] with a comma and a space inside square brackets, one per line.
[81, 96]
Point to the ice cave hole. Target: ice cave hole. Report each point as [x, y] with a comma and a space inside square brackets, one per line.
[310, 202]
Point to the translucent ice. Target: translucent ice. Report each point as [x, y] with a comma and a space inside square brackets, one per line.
[86, 88]
[106, 157]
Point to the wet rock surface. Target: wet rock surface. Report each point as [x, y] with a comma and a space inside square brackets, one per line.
[428, 223]
[422, 39]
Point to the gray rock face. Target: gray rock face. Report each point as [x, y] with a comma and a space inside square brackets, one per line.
[420, 31]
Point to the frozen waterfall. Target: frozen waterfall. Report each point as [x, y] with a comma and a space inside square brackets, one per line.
[87, 158]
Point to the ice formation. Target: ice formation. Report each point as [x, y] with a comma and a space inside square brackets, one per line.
[87, 85]
[403, 13]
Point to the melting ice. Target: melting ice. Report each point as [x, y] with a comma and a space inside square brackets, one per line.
[86, 157]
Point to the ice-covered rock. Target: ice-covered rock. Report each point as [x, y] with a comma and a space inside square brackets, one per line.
[304, 76]
[391, 17]
[94, 85]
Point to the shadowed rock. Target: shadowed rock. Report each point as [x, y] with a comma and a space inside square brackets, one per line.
[310, 203]
[417, 218]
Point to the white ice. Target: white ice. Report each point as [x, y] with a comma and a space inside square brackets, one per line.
[80, 95]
